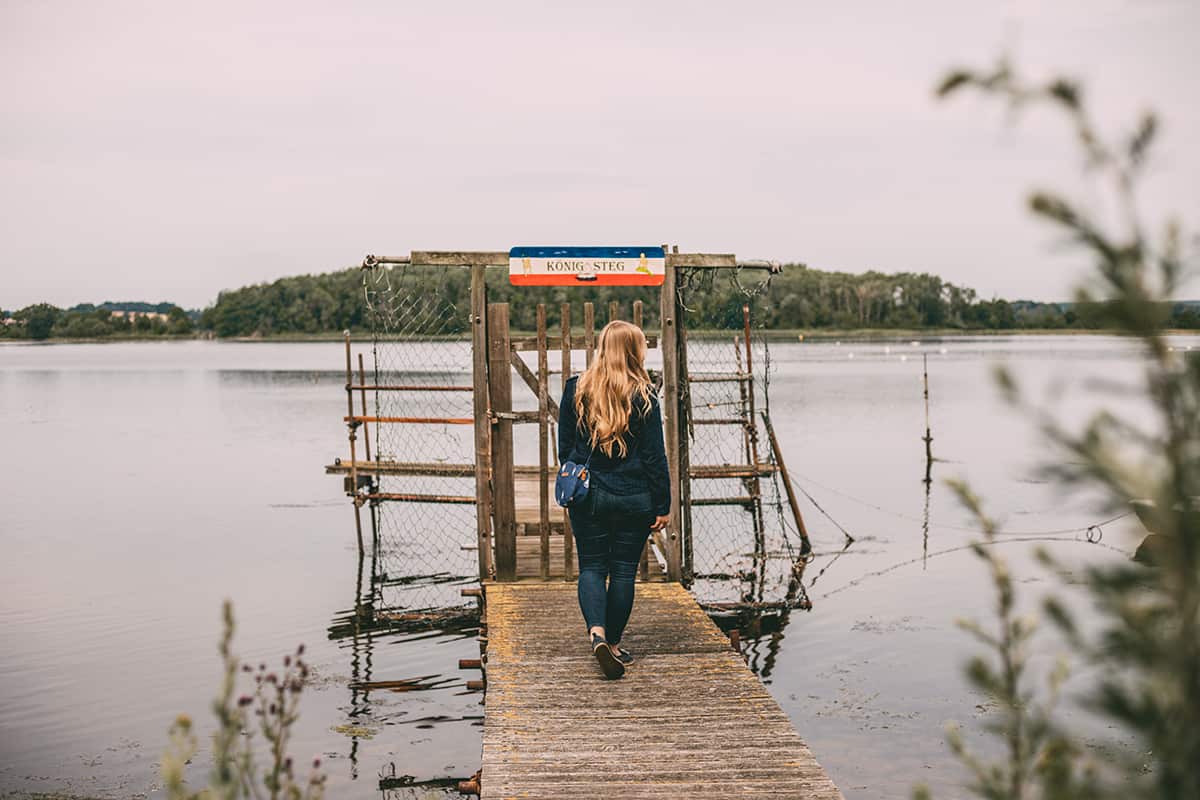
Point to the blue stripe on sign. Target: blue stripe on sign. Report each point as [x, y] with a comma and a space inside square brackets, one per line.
[587, 252]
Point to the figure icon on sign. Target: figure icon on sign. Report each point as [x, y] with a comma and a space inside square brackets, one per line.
[641, 267]
[526, 267]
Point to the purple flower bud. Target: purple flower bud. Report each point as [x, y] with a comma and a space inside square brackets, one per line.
[300, 650]
[317, 763]
[245, 700]
[287, 661]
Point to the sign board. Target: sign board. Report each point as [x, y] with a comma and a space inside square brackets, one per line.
[587, 266]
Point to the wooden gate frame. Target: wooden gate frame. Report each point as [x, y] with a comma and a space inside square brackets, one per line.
[493, 359]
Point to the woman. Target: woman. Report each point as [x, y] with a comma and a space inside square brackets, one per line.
[609, 419]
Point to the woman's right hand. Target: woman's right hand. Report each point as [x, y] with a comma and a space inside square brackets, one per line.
[660, 523]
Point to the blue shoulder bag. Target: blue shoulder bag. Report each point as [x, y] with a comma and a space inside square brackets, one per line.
[572, 483]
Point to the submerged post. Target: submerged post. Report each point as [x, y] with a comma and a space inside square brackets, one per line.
[352, 427]
[928, 436]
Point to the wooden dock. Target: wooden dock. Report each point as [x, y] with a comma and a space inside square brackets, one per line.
[689, 719]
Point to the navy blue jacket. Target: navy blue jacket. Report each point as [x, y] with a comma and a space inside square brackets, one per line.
[645, 462]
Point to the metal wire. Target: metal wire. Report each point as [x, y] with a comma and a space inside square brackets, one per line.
[742, 552]
[420, 319]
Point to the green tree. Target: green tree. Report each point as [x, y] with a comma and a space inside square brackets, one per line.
[39, 319]
[1145, 619]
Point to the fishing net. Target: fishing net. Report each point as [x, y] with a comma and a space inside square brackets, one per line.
[742, 546]
[423, 533]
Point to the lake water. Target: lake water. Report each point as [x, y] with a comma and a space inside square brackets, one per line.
[145, 482]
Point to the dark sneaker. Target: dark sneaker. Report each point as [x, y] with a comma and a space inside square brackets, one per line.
[624, 656]
[609, 663]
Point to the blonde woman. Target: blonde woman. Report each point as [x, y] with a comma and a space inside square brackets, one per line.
[609, 419]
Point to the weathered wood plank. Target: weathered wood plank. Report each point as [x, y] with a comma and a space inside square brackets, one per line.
[689, 719]
[589, 331]
[483, 430]
[458, 258]
[669, 307]
[529, 343]
[500, 396]
[568, 537]
[543, 396]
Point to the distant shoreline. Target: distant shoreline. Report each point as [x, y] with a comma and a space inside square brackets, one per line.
[783, 335]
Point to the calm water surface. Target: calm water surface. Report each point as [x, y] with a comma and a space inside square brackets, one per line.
[145, 482]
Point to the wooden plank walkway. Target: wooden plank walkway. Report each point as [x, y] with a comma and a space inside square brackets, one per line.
[688, 720]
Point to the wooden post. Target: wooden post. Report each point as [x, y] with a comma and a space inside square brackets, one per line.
[669, 342]
[754, 485]
[543, 443]
[483, 431]
[687, 568]
[805, 544]
[362, 381]
[928, 435]
[568, 536]
[589, 331]
[352, 427]
[645, 564]
[500, 394]
[614, 308]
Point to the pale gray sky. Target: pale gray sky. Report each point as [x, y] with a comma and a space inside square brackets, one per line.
[165, 151]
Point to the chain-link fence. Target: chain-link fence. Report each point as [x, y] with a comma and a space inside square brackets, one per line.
[743, 547]
[422, 512]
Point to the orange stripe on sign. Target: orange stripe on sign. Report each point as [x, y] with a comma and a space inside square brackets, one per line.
[615, 279]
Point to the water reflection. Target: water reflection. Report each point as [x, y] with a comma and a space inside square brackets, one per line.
[371, 624]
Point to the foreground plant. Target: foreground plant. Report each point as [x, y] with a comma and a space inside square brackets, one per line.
[234, 773]
[1145, 620]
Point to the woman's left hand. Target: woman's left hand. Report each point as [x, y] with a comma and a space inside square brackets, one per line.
[660, 523]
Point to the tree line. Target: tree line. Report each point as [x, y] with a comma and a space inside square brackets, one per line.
[88, 321]
[800, 298]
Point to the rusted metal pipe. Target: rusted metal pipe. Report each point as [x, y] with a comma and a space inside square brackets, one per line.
[412, 420]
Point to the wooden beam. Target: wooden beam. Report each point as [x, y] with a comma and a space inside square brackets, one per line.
[568, 536]
[589, 331]
[543, 443]
[406, 468]
[686, 415]
[670, 543]
[529, 343]
[531, 380]
[500, 393]
[483, 430]
[805, 544]
[458, 258]
[697, 260]
[413, 420]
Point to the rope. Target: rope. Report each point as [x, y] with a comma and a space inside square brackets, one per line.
[1096, 527]
[936, 553]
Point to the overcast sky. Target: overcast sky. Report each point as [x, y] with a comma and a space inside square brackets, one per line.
[166, 151]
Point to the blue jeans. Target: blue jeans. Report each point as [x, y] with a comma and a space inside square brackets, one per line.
[610, 532]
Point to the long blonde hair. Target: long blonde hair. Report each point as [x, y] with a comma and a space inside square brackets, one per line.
[605, 392]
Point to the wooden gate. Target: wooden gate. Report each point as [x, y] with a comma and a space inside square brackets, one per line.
[532, 533]
[521, 533]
